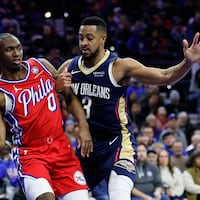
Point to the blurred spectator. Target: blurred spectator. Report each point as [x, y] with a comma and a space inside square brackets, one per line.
[195, 91]
[135, 90]
[10, 178]
[168, 139]
[194, 69]
[179, 158]
[138, 41]
[161, 117]
[148, 184]
[151, 105]
[158, 146]
[195, 139]
[175, 105]
[173, 126]
[152, 155]
[193, 24]
[185, 125]
[142, 139]
[171, 177]
[147, 130]
[3, 167]
[149, 90]
[177, 33]
[152, 121]
[191, 177]
[193, 88]
[136, 115]
[123, 33]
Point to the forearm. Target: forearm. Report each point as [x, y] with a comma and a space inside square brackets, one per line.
[177, 72]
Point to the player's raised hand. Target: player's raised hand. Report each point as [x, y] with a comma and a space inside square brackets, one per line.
[192, 53]
[63, 80]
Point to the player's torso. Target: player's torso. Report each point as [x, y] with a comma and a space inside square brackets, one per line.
[32, 104]
[102, 99]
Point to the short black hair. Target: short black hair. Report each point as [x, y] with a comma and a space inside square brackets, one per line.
[95, 20]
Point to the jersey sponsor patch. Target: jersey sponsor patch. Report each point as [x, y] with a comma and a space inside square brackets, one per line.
[99, 74]
[126, 164]
[79, 178]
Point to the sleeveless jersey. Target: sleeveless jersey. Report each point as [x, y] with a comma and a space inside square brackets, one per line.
[32, 107]
[103, 100]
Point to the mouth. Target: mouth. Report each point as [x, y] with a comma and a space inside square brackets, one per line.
[17, 61]
[85, 51]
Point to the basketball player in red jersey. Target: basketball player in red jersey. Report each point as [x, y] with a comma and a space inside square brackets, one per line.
[46, 163]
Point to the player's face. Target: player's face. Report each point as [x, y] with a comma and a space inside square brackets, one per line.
[90, 41]
[11, 54]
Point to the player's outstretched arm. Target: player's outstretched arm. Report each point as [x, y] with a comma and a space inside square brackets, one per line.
[126, 68]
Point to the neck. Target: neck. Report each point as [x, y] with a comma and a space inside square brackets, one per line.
[15, 74]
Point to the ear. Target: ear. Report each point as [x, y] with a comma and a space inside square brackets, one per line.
[103, 39]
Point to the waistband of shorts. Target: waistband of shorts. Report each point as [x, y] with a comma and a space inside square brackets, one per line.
[45, 140]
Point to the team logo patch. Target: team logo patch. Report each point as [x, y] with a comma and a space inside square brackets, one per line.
[34, 70]
[125, 164]
[79, 178]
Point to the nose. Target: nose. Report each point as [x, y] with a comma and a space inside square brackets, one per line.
[84, 42]
[16, 51]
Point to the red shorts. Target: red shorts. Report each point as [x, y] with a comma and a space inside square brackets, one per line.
[54, 160]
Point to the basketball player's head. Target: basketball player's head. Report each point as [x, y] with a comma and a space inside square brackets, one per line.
[11, 52]
[92, 37]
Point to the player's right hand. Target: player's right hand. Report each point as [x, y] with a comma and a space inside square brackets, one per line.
[85, 142]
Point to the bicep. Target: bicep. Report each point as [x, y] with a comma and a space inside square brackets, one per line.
[129, 67]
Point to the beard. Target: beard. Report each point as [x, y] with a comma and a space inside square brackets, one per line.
[91, 56]
[16, 68]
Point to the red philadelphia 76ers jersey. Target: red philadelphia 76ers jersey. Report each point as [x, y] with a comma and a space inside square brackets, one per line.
[32, 106]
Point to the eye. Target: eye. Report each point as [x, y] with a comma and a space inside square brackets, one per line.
[9, 49]
[19, 48]
[90, 38]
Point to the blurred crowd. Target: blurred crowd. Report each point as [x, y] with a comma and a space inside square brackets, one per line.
[165, 120]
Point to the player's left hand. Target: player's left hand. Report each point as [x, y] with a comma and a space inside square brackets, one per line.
[63, 80]
[192, 53]
[85, 142]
